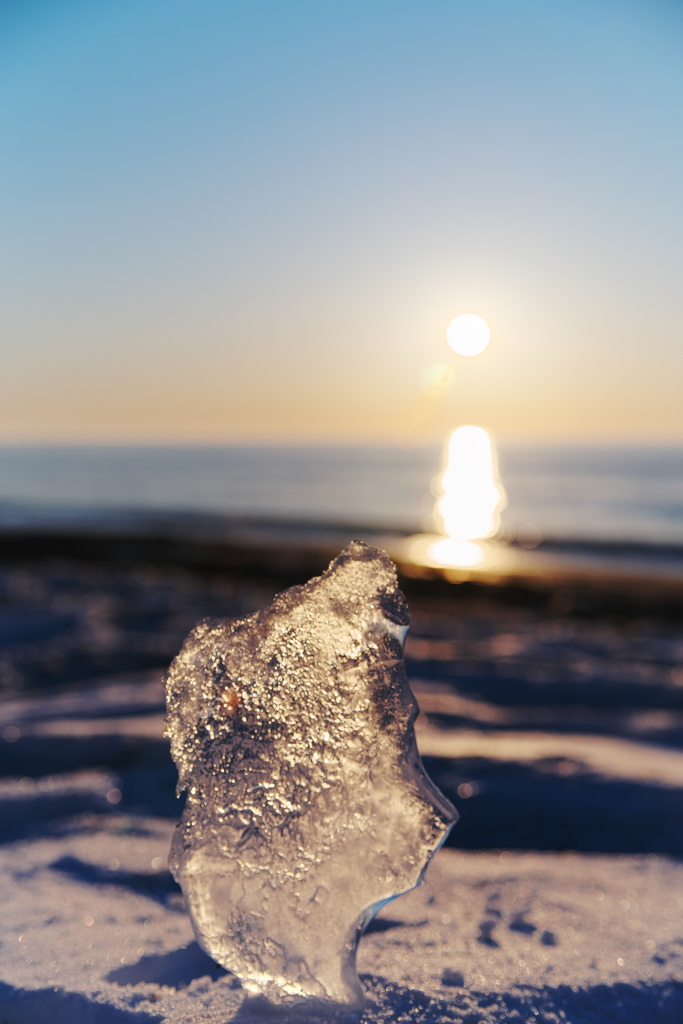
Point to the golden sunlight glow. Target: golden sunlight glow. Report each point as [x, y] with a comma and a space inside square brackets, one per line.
[463, 554]
[468, 507]
[470, 498]
[468, 334]
[471, 495]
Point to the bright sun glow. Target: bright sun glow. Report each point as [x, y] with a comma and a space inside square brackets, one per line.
[471, 495]
[468, 334]
[461, 554]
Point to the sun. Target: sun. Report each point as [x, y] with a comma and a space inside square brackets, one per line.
[468, 334]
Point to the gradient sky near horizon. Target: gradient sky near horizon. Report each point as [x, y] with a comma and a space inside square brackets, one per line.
[249, 220]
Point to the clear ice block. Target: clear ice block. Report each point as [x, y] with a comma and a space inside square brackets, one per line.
[308, 807]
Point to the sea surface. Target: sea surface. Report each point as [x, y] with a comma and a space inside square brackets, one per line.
[604, 494]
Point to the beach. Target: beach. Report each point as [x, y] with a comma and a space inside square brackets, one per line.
[558, 735]
[95, 931]
[282, 278]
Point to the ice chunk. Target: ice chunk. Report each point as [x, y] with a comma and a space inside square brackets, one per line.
[307, 804]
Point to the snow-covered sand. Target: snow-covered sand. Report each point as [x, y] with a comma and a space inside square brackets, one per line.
[93, 930]
[549, 732]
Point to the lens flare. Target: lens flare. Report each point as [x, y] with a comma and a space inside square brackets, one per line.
[468, 334]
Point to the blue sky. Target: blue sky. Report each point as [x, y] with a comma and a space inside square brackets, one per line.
[254, 220]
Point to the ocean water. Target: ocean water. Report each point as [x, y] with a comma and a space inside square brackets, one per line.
[623, 494]
[613, 494]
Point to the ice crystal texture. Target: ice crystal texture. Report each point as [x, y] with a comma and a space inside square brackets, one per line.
[307, 804]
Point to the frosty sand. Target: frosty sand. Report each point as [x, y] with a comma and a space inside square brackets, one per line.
[93, 930]
[84, 848]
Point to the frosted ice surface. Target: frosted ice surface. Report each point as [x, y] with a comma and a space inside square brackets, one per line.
[308, 807]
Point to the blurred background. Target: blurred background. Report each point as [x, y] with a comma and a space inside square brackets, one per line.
[237, 232]
[234, 236]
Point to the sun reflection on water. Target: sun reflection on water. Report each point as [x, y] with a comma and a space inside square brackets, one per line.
[470, 499]
[462, 554]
